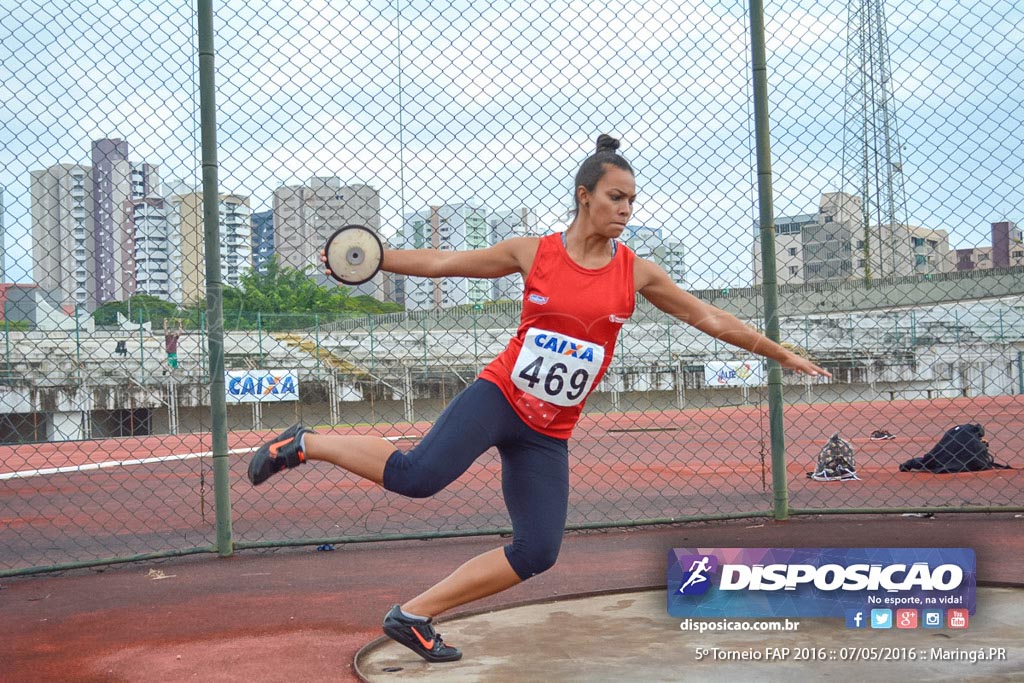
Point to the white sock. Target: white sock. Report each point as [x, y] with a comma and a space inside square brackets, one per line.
[302, 442]
[413, 616]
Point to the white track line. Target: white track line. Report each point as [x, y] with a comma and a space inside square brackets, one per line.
[25, 474]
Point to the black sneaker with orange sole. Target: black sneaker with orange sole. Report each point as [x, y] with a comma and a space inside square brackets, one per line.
[418, 636]
[281, 452]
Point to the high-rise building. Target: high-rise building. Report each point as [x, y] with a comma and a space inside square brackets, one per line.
[833, 245]
[930, 250]
[1007, 245]
[671, 256]
[235, 241]
[156, 257]
[651, 244]
[262, 239]
[114, 180]
[642, 239]
[505, 225]
[1007, 249]
[305, 216]
[789, 258]
[80, 215]
[828, 243]
[451, 227]
[235, 238]
[62, 238]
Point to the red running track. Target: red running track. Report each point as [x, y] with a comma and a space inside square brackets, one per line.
[625, 466]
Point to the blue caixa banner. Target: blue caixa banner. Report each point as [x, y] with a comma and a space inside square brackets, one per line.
[817, 582]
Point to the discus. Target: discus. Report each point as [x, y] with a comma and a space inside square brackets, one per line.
[354, 254]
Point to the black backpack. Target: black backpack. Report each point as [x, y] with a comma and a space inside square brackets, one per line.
[961, 449]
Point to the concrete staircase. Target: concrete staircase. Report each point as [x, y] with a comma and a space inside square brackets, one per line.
[319, 352]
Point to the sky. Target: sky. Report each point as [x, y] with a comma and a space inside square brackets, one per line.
[498, 103]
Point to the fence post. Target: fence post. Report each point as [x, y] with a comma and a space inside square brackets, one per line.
[1020, 372]
[759, 74]
[259, 335]
[7, 343]
[214, 285]
[373, 367]
[316, 338]
[142, 353]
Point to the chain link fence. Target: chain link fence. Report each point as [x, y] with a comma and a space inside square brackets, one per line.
[897, 156]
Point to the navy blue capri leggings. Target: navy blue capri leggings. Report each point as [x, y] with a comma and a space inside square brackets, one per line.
[534, 470]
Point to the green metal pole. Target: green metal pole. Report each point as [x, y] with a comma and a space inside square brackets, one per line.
[7, 344]
[214, 285]
[373, 367]
[142, 352]
[316, 332]
[202, 347]
[1020, 372]
[259, 334]
[78, 342]
[476, 353]
[759, 74]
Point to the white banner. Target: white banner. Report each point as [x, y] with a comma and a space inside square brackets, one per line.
[734, 373]
[261, 386]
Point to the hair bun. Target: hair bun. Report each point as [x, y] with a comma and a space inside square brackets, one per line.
[606, 143]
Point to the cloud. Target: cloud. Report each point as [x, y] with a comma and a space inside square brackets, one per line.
[500, 101]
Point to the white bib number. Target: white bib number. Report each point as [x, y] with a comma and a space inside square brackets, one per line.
[557, 368]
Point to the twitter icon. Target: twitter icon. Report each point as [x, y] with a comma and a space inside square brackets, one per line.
[881, 618]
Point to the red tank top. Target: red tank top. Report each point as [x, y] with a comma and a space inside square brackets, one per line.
[570, 321]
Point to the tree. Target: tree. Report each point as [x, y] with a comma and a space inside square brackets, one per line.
[144, 307]
[283, 297]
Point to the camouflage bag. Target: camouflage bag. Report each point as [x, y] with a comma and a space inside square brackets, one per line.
[835, 461]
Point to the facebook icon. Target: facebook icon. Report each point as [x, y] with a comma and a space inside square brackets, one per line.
[855, 618]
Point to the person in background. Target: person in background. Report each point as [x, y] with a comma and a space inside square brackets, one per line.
[171, 338]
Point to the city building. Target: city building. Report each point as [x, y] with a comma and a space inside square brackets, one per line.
[262, 239]
[80, 215]
[155, 266]
[1007, 249]
[235, 241]
[115, 179]
[974, 258]
[62, 236]
[1007, 245]
[450, 227]
[828, 243]
[642, 239]
[305, 216]
[650, 243]
[930, 250]
[833, 245]
[671, 256]
[505, 225]
[789, 256]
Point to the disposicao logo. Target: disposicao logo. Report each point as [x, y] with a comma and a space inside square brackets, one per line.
[697, 580]
[824, 582]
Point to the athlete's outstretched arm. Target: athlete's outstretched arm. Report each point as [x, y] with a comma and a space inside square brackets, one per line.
[657, 287]
[505, 258]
